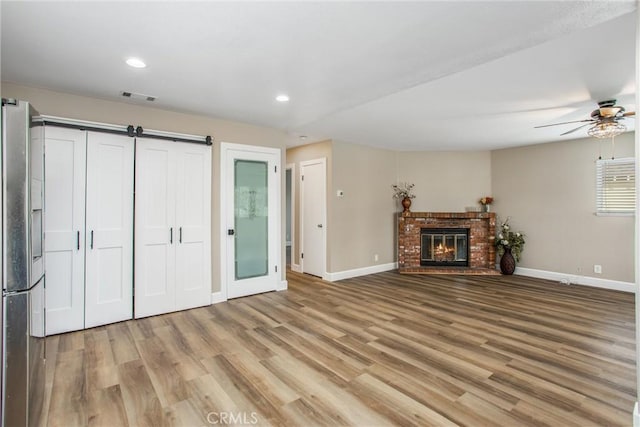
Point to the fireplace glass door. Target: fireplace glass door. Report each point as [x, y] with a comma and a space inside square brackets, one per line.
[447, 247]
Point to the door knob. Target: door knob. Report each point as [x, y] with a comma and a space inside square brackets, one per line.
[319, 225]
[231, 232]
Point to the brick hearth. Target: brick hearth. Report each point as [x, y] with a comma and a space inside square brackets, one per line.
[482, 251]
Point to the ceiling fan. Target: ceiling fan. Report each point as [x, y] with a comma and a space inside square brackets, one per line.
[604, 121]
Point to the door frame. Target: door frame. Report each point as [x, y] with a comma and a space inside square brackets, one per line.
[294, 218]
[225, 147]
[323, 162]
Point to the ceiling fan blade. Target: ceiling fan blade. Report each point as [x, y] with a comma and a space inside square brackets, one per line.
[629, 113]
[564, 123]
[573, 130]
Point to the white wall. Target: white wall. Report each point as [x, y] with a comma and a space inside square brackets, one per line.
[362, 222]
[549, 192]
[445, 181]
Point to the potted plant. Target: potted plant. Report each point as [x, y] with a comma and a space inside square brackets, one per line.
[404, 192]
[510, 245]
[486, 203]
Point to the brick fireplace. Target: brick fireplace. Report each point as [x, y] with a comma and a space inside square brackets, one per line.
[480, 226]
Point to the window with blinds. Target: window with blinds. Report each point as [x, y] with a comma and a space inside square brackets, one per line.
[616, 186]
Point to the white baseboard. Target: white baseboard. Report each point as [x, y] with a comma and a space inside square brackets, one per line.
[282, 286]
[572, 279]
[217, 297]
[296, 268]
[636, 416]
[356, 272]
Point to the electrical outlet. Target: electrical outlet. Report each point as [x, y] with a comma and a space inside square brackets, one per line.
[375, 257]
[597, 268]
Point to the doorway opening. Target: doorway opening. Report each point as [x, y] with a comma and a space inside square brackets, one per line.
[290, 214]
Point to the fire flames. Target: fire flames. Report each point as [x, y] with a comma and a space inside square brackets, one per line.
[444, 253]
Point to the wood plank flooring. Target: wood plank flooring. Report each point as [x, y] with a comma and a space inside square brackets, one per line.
[385, 349]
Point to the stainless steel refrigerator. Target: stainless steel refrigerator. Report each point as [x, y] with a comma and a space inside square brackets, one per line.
[22, 319]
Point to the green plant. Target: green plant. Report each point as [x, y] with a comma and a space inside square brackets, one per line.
[510, 239]
[403, 190]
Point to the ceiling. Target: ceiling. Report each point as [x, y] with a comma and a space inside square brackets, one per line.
[401, 75]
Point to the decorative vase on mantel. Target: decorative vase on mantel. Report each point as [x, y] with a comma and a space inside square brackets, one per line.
[406, 204]
[507, 262]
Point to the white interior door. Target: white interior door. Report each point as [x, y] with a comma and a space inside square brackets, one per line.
[251, 219]
[64, 213]
[109, 228]
[155, 233]
[193, 221]
[313, 216]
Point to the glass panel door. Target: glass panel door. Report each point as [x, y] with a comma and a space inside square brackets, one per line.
[251, 220]
[251, 216]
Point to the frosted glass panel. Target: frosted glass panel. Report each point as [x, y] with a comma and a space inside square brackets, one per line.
[251, 219]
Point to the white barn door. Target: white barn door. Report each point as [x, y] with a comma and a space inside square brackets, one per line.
[155, 234]
[64, 215]
[193, 222]
[109, 229]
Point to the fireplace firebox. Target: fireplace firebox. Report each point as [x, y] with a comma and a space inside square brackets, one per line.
[444, 247]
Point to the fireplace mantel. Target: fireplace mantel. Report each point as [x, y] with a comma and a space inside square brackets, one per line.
[482, 251]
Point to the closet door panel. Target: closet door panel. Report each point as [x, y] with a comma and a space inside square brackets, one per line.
[109, 229]
[65, 157]
[155, 231]
[193, 218]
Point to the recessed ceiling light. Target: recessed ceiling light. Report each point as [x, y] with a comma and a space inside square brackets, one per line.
[282, 98]
[136, 63]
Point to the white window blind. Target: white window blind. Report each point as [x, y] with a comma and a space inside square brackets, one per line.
[616, 186]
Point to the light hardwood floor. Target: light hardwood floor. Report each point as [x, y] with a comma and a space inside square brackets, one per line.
[385, 349]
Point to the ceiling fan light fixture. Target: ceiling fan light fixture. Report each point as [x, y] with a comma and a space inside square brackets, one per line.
[610, 111]
[606, 129]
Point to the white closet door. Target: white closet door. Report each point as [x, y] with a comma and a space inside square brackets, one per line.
[65, 161]
[193, 219]
[313, 222]
[155, 231]
[109, 229]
